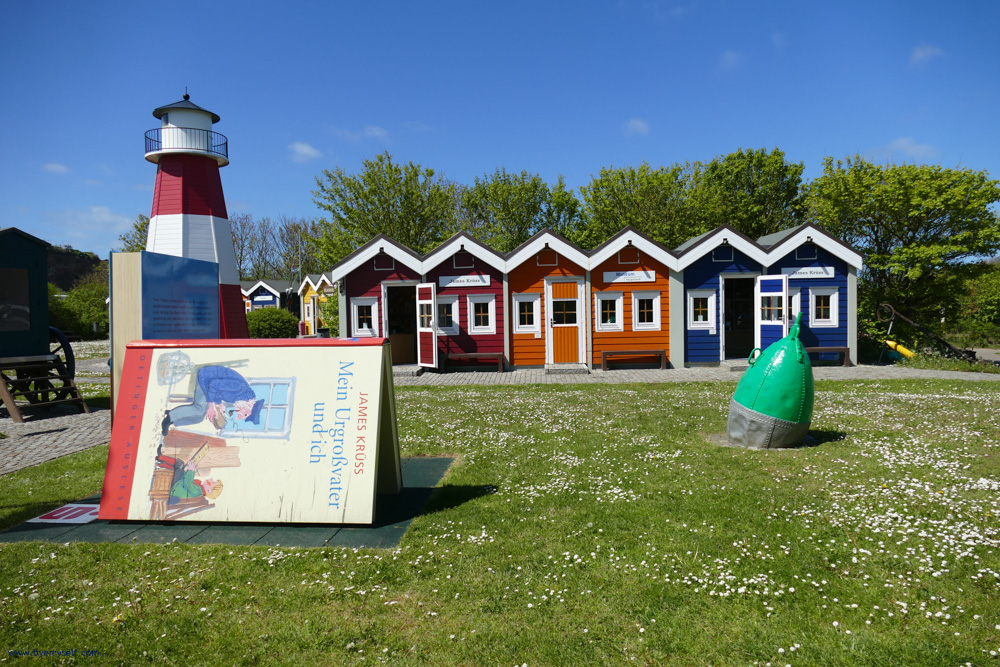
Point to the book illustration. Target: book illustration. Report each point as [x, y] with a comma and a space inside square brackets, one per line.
[219, 400]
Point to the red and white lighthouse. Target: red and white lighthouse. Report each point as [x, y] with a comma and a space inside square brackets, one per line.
[189, 216]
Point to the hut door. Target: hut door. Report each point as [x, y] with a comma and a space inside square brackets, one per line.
[565, 324]
[427, 349]
[771, 317]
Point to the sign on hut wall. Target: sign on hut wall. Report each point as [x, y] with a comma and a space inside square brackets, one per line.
[298, 431]
[800, 272]
[640, 276]
[464, 281]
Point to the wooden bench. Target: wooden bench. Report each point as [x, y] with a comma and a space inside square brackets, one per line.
[843, 351]
[475, 356]
[606, 354]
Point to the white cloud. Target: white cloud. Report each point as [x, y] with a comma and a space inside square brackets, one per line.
[376, 132]
[357, 136]
[635, 127]
[91, 182]
[303, 152]
[924, 54]
[730, 60]
[94, 228]
[904, 149]
[55, 168]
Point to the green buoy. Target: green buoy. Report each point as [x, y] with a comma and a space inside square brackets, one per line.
[773, 403]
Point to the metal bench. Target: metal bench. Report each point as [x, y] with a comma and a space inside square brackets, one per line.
[476, 356]
[606, 354]
[843, 351]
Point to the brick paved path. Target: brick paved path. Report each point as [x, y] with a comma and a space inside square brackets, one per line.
[49, 435]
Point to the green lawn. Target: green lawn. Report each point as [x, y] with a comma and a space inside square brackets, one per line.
[579, 525]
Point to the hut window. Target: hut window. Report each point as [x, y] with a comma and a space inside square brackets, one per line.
[807, 251]
[771, 308]
[463, 260]
[364, 316]
[628, 255]
[384, 262]
[723, 254]
[447, 323]
[547, 257]
[563, 311]
[528, 318]
[645, 311]
[824, 305]
[609, 311]
[15, 313]
[481, 311]
[701, 309]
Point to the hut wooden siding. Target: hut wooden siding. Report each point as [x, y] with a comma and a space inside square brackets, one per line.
[528, 349]
[818, 336]
[464, 341]
[366, 280]
[702, 346]
[628, 338]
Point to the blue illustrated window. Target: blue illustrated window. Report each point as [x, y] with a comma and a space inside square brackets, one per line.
[276, 413]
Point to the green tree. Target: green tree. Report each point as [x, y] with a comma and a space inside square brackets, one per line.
[134, 239]
[918, 225]
[87, 302]
[504, 210]
[654, 201]
[754, 191]
[406, 202]
[979, 306]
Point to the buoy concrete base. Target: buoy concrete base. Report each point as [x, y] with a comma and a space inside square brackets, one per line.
[751, 429]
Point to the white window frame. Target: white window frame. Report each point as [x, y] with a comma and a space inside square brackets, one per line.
[618, 299]
[364, 301]
[693, 294]
[280, 431]
[470, 313]
[646, 326]
[534, 298]
[794, 303]
[451, 300]
[834, 319]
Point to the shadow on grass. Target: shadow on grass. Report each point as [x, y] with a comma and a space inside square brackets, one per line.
[452, 495]
[819, 437]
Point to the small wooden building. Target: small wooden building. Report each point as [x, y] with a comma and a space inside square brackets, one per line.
[817, 275]
[265, 293]
[466, 280]
[315, 289]
[635, 287]
[549, 296]
[24, 295]
[377, 287]
[721, 271]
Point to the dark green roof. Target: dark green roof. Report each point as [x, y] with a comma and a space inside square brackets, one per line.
[186, 103]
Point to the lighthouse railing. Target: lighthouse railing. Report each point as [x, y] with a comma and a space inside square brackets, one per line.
[186, 138]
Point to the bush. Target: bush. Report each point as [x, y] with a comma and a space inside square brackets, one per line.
[272, 323]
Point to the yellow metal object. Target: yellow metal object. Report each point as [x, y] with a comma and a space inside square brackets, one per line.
[893, 345]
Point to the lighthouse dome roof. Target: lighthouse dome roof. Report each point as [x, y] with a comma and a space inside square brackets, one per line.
[185, 103]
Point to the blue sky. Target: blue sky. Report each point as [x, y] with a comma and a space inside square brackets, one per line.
[554, 88]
